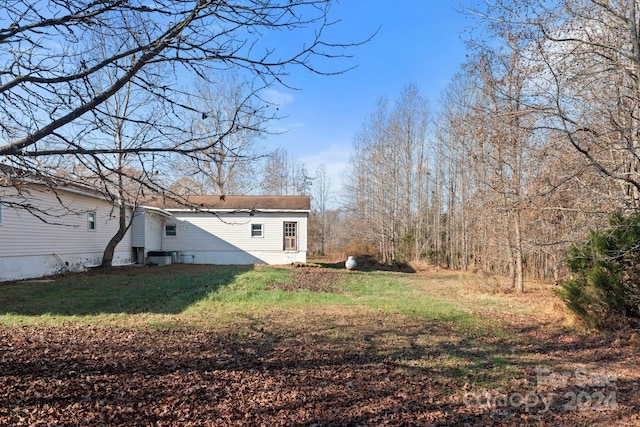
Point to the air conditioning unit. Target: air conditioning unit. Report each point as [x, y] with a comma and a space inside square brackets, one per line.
[159, 257]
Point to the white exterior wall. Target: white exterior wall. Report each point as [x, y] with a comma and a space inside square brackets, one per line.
[146, 230]
[138, 228]
[226, 239]
[153, 230]
[30, 247]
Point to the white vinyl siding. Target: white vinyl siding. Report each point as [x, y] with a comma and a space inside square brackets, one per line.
[24, 234]
[154, 232]
[225, 238]
[33, 248]
[138, 228]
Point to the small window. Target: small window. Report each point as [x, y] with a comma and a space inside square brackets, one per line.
[92, 221]
[290, 236]
[170, 230]
[256, 230]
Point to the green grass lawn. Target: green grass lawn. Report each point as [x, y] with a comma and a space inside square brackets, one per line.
[187, 295]
[127, 293]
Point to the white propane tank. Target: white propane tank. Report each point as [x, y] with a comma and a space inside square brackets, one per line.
[350, 264]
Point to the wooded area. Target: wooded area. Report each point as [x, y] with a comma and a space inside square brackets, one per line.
[534, 143]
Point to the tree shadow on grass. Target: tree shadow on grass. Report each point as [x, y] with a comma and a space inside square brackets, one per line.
[131, 290]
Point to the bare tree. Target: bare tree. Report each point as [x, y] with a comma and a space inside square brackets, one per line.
[582, 87]
[589, 82]
[118, 112]
[231, 121]
[593, 61]
[453, 132]
[367, 182]
[408, 138]
[321, 192]
[387, 185]
[505, 147]
[284, 176]
[55, 58]
[130, 119]
[46, 59]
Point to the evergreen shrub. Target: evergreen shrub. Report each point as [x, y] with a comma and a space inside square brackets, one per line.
[603, 289]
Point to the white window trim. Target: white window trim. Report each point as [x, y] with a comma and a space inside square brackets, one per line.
[0, 210]
[261, 235]
[92, 218]
[170, 236]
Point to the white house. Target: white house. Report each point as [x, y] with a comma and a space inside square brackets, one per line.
[223, 230]
[53, 227]
[57, 226]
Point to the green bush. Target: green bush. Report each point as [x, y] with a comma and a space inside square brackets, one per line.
[406, 248]
[604, 288]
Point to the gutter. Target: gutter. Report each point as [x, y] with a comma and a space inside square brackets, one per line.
[160, 211]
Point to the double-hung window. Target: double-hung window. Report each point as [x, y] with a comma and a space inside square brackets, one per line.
[256, 230]
[170, 230]
[92, 221]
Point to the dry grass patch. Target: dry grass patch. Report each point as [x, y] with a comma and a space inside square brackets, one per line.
[493, 297]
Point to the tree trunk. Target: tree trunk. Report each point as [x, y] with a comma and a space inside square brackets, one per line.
[123, 224]
[519, 278]
[107, 257]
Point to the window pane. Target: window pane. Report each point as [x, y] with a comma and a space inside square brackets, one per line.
[290, 236]
[170, 230]
[91, 221]
[256, 230]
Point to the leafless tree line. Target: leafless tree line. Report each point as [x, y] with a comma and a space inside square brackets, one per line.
[535, 141]
[387, 184]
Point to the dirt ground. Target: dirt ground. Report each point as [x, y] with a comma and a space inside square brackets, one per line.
[324, 367]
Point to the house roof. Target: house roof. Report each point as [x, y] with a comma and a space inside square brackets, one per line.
[11, 176]
[231, 203]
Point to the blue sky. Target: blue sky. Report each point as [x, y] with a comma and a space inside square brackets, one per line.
[419, 41]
